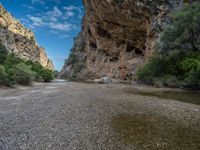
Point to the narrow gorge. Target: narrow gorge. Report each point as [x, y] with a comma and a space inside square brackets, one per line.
[117, 36]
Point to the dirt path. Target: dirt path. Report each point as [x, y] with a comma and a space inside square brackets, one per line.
[67, 116]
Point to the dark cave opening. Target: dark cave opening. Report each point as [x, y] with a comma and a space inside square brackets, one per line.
[94, 45]
[103, 33]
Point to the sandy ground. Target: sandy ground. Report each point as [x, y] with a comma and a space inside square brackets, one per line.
[67, 115]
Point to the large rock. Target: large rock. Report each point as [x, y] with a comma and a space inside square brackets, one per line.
[105, 80]
[20, 40]
[117, 36]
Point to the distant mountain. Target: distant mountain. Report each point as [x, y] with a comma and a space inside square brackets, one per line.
[20, 40]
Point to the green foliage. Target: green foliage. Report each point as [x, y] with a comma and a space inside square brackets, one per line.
[15, 70]
[3, 76]
[150, 70]
[11, 76]
[192, 62]
[47, 75]
[11, 60]
[3, 54]
[170, 72]
[23, 74]
[177, 63]
[170, 81]
[41, 74]
[183, 32]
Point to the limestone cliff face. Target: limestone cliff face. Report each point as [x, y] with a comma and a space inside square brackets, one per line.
[116, 37]
[20, 40]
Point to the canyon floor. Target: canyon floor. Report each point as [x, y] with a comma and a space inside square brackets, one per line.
[68, 115]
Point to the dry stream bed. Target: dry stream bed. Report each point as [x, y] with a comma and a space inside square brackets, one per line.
[68, 115]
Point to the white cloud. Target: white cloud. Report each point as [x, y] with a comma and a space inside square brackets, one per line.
[55, 20]
[61, 26]
[38, 1]
[37, 21]
[29, 7]
[71, 8]
[70, 14]
[55, 12]
[71, 11]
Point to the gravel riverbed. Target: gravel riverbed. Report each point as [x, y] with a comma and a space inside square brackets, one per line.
[69, 115]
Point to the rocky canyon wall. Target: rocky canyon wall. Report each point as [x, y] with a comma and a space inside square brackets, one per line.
[117, 36]
[20, 40]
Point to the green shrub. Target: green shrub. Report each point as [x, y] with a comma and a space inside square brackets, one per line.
[3, 76]
[41, 74]
[151, 70]
[192, 62]
[37, 77]
[23, 74]
[47, 75]
[192, 80]
[3, 54]
[11, 60]
[16, 70]
[170, 81]
[11, 76]
[177, 63]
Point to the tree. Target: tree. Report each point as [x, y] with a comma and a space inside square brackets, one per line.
[3, 54]
[177, 63]
[47, 75]
[183, 32]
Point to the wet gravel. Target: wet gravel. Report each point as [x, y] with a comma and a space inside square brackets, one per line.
[68, 115]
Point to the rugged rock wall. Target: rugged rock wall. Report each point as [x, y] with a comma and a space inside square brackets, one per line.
[116, 37]
[18, 39]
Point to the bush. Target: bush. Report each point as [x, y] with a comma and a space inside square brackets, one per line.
[167, 71]
[3, 76]
[11, 76]
[41, 74]
[47, 75]
[151, 70]
[23, 74]
[11, 60]
[177, 62]
[15, 70]
[3, 54]
[170, 81]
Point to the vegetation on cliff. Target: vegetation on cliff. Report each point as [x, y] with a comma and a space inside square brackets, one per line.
[177, 59]
[14, 70]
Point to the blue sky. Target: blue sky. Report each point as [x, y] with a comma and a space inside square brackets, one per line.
[54, 22]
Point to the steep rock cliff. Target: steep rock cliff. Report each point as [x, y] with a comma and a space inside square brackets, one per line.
[20, 40]
[116, 37]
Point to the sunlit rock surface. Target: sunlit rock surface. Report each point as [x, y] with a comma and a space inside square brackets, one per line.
[20, 40]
